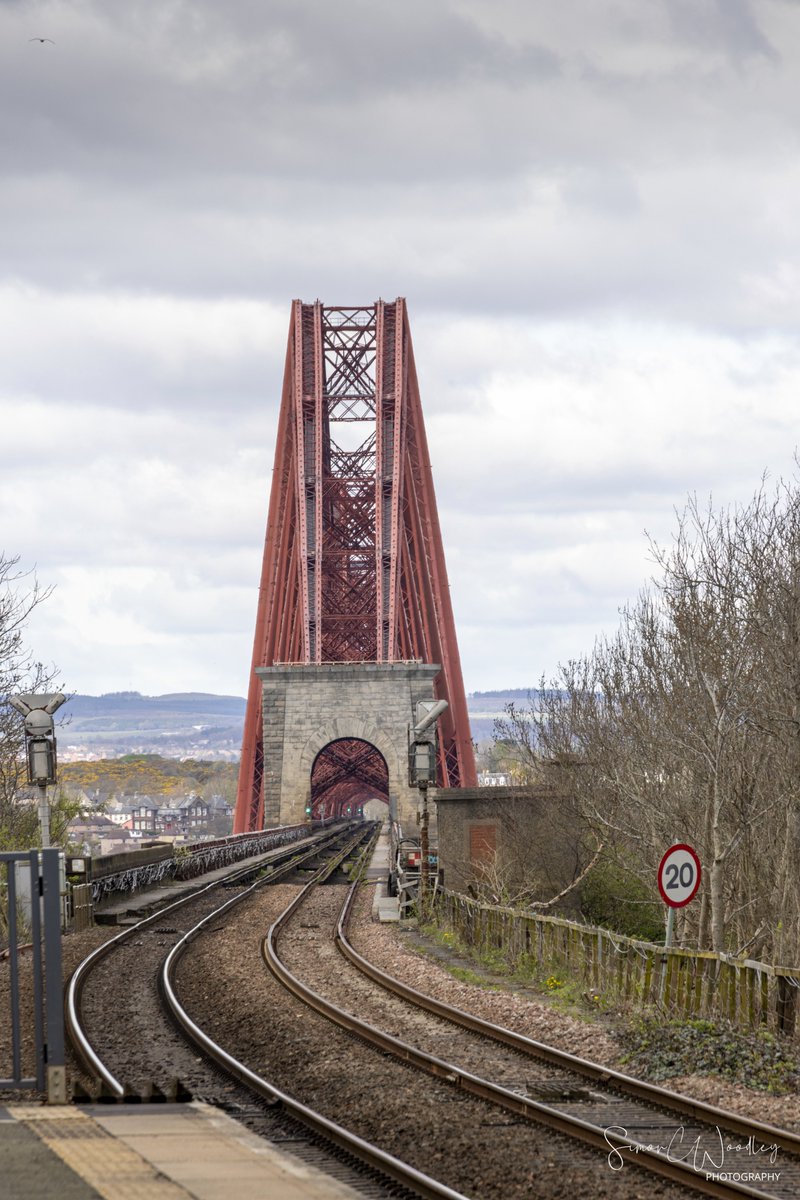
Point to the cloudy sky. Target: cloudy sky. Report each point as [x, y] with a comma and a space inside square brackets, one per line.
[590, 207]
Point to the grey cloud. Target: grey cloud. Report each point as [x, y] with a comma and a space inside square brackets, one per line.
[669, 255]
[506, 167]
[204, 87]
[179, 153]
[727, 25]
[613, 191]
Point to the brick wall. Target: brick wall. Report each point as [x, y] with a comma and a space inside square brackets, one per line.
[524, 835]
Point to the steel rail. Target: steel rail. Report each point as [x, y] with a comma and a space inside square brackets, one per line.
[424, 1185]
[627, 1149]
[604, 1076]
[79, 1039]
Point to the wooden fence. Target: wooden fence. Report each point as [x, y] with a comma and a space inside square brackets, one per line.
[690, 983]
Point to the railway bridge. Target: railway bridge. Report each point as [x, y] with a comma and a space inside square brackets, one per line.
[354, 625]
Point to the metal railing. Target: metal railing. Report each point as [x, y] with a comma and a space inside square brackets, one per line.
[30, 908]
[192, 861]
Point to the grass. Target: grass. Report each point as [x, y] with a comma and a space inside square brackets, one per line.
[466, 976]
[567, 995]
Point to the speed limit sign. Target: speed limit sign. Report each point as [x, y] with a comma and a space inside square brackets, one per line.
[679, 875]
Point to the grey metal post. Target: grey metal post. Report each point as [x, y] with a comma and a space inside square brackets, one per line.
[424, 849]
[667, 943]
[426, 715]
[35, 875]
[54, 981]
[14, 969]
[44, 816]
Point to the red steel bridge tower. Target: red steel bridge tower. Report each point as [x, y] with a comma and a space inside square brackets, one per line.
[353, 568]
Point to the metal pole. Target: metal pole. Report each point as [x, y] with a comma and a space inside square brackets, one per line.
[670, 928]
[423, 848]
[11, 894]
[39, 958]
[44, 816]
[667, 943]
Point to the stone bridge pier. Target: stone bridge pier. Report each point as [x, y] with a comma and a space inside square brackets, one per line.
[309, 708]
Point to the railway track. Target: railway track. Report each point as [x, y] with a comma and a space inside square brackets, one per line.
[589, 1079]
[463, 1142]
[293, 1070]
[628, 1121]
[171, 1068]
[149, 936]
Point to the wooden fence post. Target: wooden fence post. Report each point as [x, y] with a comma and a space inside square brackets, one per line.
[786, 1006]
[82, 906]
[695, 984]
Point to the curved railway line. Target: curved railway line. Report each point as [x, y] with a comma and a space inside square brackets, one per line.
[498, 1115]
[591, 1082]
[231, 1085]
[630, 1121]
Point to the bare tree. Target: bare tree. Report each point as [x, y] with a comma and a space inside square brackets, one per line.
[20, 594]
[685, 725]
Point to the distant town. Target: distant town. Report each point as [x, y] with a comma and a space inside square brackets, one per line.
[140, 768]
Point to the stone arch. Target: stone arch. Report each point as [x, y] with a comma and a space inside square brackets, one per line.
[340, 729]
[306, 707]
[347, 773]
[333, 731]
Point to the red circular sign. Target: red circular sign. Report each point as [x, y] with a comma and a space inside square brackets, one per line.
[679, 875]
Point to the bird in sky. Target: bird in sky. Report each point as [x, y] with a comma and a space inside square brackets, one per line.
[50, 40]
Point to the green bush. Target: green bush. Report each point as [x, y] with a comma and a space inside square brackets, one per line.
[613, 897]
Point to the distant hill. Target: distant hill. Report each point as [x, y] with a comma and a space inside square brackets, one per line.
[198, 724]
[504, 694]
[112, 705]
[178, 725]
[485, 708]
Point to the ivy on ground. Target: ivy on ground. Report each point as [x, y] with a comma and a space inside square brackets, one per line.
[660, 1050]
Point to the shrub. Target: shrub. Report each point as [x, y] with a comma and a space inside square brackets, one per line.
[613, 897]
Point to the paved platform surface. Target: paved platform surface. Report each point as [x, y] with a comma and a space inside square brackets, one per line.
[384, 906]
[147, 1152]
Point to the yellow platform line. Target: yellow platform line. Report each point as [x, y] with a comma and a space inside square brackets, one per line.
[114, 1170]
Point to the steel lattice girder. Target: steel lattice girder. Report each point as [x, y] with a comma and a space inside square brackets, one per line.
[353, 567]
[347, 770]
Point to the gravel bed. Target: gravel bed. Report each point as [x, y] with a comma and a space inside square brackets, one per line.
[122, 1007]
[74, 948]
[308, 950]
[476, 1148]
[308, 940]
[389, 949]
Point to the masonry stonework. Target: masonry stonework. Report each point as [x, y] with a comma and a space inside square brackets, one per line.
[305, 708]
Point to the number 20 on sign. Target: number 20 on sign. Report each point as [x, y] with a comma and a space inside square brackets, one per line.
[679, 875]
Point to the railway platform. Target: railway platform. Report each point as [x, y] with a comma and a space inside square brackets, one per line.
[147, 1152]
[384, 906]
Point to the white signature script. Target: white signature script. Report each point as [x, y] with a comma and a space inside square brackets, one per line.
[679, 1149]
